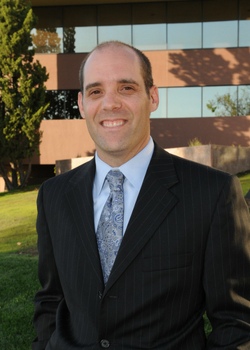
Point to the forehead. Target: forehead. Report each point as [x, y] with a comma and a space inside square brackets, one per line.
[112, 63]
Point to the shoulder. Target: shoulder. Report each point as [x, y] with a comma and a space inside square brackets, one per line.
[186, 164]
[187, 170]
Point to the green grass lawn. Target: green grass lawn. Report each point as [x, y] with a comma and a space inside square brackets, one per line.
[18, 266]
[17, 218]
[245, 182]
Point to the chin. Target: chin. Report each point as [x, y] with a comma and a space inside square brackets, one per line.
[115, 146]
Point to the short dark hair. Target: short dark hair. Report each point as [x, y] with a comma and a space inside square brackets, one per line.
[145, 64]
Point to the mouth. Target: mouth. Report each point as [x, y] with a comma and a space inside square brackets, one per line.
[113, 123]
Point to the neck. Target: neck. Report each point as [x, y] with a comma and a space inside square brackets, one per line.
[116, 159]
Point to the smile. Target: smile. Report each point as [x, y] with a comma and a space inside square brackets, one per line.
[113, 123]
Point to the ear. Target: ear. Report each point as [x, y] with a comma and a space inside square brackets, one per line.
[80, 105]
[154, 97]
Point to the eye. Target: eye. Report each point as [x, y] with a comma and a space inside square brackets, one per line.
[127, 89]
[95, 92]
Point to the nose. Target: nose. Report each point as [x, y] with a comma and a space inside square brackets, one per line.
[111, 101]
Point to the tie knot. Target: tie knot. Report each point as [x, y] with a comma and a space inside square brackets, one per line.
[115, 180]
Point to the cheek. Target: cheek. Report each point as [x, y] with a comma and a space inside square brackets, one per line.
[89, 122]
[142, 116]
[92, 123]
[91, 110]
[87, 112]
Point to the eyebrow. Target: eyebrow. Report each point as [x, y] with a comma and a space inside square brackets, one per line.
[121, 81]
[92, 85]
[128, 81]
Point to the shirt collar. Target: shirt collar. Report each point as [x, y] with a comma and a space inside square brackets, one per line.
[134, 170]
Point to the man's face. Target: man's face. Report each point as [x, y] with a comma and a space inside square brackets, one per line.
[116, 105]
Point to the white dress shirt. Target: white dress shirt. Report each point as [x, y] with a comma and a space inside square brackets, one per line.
[134, 171]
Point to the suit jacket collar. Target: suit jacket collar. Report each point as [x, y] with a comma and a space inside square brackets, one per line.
[153, 204]
[79, 198]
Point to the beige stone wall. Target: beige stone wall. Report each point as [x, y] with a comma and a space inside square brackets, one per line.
[233, 160]
[67, 139]
[230, 159]
[67, 164]
[170, 68]
[64, 139]
[199, 154]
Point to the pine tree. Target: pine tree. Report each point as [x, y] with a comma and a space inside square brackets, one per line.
[22, 92]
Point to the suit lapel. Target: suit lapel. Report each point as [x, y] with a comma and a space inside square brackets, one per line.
[80, 201]
[153, 205]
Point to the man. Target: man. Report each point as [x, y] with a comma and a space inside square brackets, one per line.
[185, 227]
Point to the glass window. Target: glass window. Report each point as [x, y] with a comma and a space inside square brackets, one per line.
[244, 33]
[71, 110]
[161, 111]
[56, 104]
[184, 25]
[149, 13]
[77, 16]
[80, 28]
[184, 11]
[149, 26]
[184, 102]
[244, 7]
[243, 107]
[220, 34]
[49, 16]
[220, 10]
[114, 23]
[244, 23]
[120, 33]
[47, 40]
[48, 35]
[150, 36]
[69, 34]
[219, 101]
[85, 39]
[184, 36]
[115, 14]
[63, 104]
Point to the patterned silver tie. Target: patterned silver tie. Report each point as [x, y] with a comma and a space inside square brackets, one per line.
[110, 228]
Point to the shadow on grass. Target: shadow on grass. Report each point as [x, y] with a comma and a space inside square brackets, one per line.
[18, 285]
[32, 251]
[22, 238]
[25, 189]
[245, 173]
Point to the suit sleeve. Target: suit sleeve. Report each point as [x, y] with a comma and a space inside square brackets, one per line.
[49, 296]
[227, 271]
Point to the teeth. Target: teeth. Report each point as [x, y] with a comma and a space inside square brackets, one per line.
[113, 123]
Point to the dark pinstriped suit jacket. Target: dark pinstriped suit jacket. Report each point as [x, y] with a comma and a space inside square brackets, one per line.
[186, 249]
